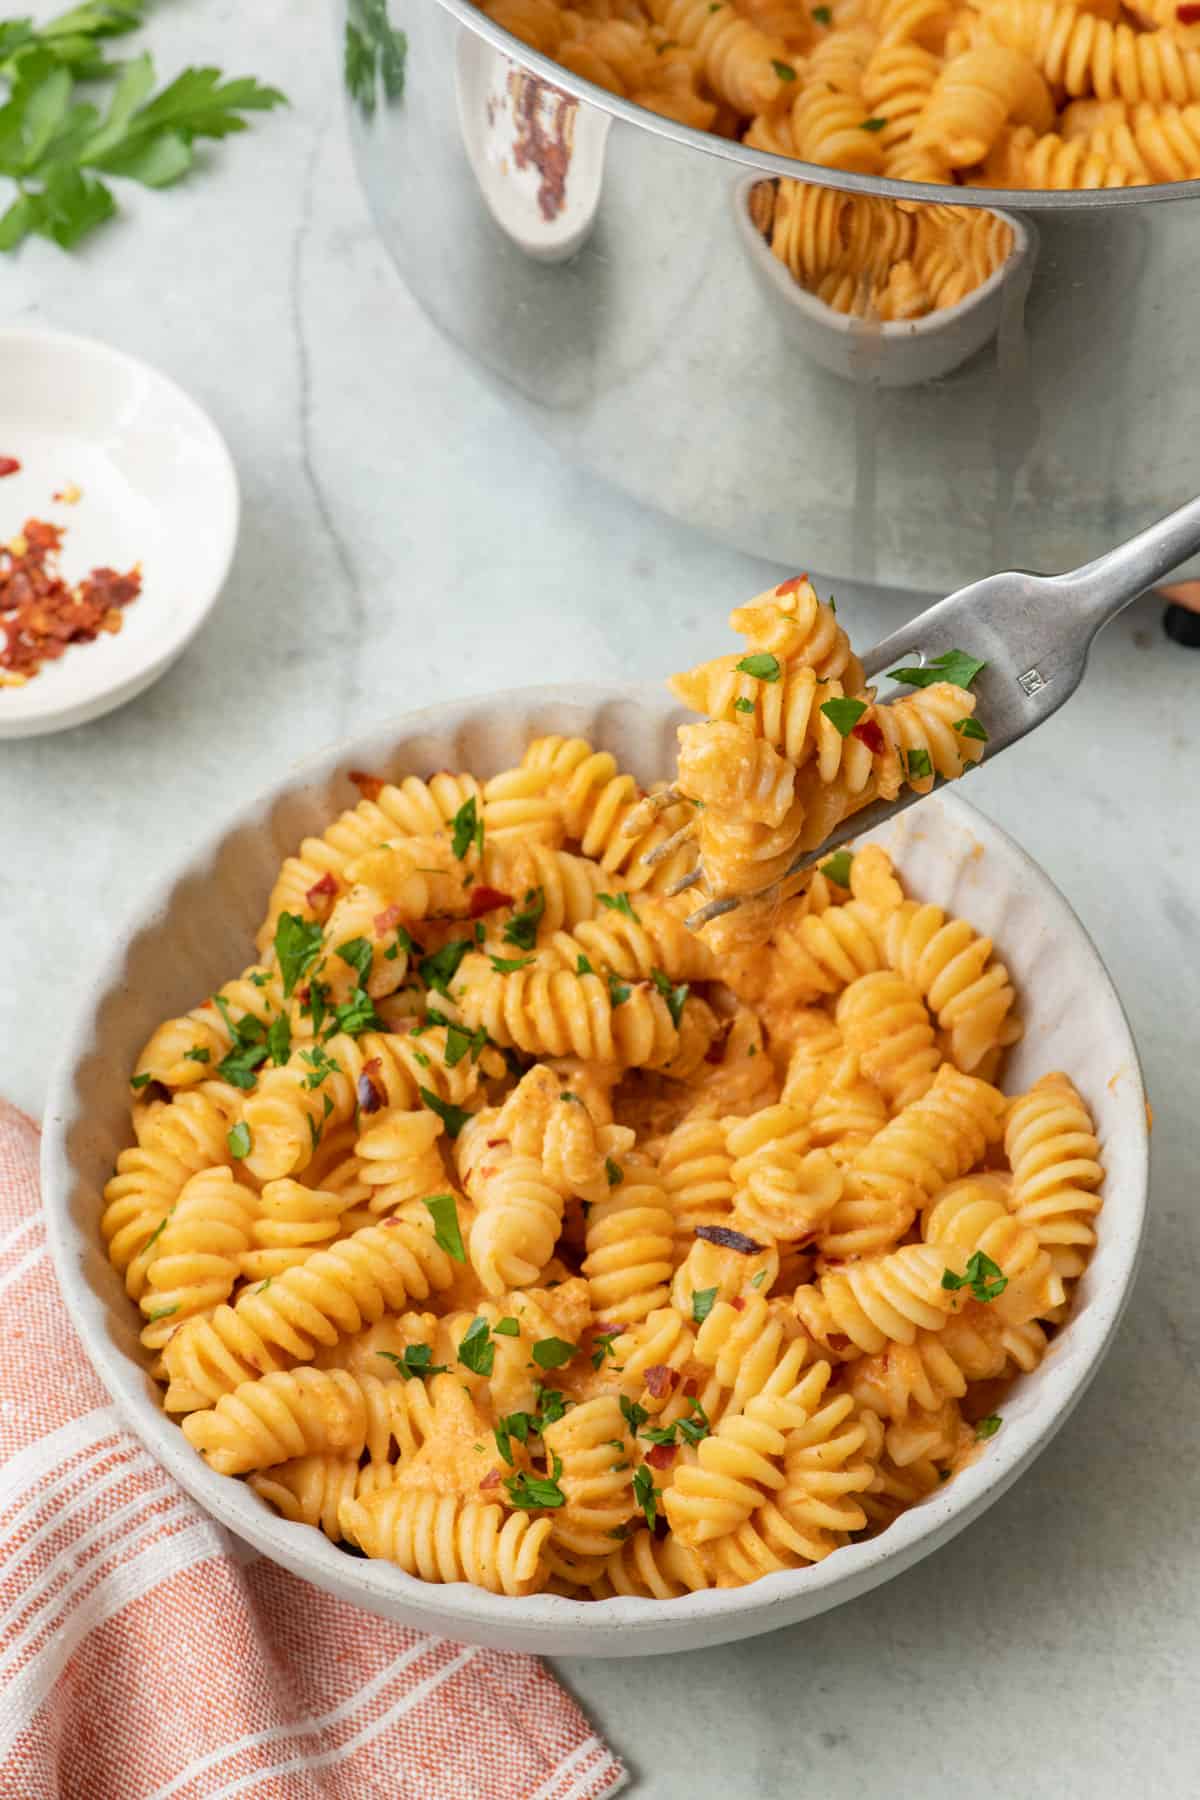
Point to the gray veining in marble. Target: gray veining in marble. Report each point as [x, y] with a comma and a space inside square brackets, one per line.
[405, 540]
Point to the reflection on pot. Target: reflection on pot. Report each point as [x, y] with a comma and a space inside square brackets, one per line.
[537, 155]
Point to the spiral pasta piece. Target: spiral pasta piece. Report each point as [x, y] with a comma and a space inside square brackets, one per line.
[441, 1537]
[735, 1467]
[953, 970]
[883, 1019]
[519, 1212]
[596, 802]
[754, 1351]
[187, 1050]
[649, 1568]
[976, 95]
[784, 1188]
[882, 1300]
[399, 1159]
[149, 1178]
[654, 938]
[973, 1345]
[629, 1261]
[332, 1294]
[1084, 54]
[196, 1260]
[971, 1215]
[599, 1494]
[1054, 1155]
[290, 1222]
[740, 62]
[847, 1116]
[306, 1412]
[312, 1489]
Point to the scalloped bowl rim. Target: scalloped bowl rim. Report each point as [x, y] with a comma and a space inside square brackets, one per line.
[551, 1623]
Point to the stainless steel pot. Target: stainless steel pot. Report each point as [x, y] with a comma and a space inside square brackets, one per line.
[629, 313]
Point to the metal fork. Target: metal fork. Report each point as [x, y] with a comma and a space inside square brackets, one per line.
[1035, 633]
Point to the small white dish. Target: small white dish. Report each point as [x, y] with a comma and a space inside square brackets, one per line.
[157, 487]
[196, 927]
[882, 353]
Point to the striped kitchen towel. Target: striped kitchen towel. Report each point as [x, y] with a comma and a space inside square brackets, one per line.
[147, 1655]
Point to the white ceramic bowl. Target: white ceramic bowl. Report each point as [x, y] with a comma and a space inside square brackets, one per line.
[157, 486]
[196, 929]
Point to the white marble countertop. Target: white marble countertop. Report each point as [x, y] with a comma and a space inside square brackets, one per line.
[405, 540]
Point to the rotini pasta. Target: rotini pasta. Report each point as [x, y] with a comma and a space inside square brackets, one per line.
[497, 1223]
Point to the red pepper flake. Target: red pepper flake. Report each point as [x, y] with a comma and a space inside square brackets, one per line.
[867, 732]
[737, 1303]
[369, 786]
[661, 1456]
[368, 1095]
[304, 994]
[691, 1388]
[792, 585]
[1187, 15]
[391, 915]
[41, 614]
[321, 890]
[9, 466]
[661, 1381]
[491, 1479]
[726, 1238]
[486, 899]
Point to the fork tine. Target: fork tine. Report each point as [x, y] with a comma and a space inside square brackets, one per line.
[713, 910]
[683, 884]
[649, 806]
[669, 845]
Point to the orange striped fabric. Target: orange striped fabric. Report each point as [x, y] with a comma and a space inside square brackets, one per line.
[147, 1655]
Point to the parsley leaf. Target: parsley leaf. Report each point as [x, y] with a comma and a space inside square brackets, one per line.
[584, 967]
[756, 1281]
[460, 1042]
[986, 1428]
[971, 728]
[957, 666]
[466, 829]
[443, 1210]
[239, 1140]
[873, 124]
[614, 1174]
[635, 1416]
[674, 996]
[698, 1425]
[417, 1361]
[452, 1117]
[477, 1351]
[531, 1491]
[513, 1425]
[522, 928]
[646, 1494]
[279, 1039]
[742, 705]
[297, 947]
[506, 1328]
[843, 713]
[438, 971]
[553, 1352]
[197, 1054]
[249, 1047]
[356, 952]
[823, 15]
[355, 1015]
[508, 965]
[917, 765]
[985, 1278]
[620, 903]
[784, 70]
[602, 1346]
[837, 868]
[702, 1303]
[763, 666]
[164, 1312]
[618, 991]
[320, 1067]
[550, 1402]
[138, 1082]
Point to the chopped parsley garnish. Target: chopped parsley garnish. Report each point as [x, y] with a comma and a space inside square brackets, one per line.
[698, 1425]
[784, 70]
[316, 1005]
[438, 971]
[164, 1312]
[843, 713]
[506, 1327]
[635, 1416]
[614, 1174]
[873, 124]
[477, 1351]
[452, 1117]
[703, 1301]
[918, 765]
[553, 1352]
[156, 1233]
[762, 665]
[522, 927]
[602, 1346]
[297, 947]
[416, 1362]
[467, 829]
[356, 953]
[513, 1425]
[572, 1099]
[239, 1140]
[249, 1047]
[320, 1066]
[508, 965]
[138, 1082]
[260, 978]
[646, 1494]
[355, 1016]
[459, 1043]
[196, 1054]
[551, 1404]
[956, 666]
[618, 991]
[742, 705]
[279, 1039]
[837, 868]
[823, 15]
[985, 1278]
[971, 728]
[674, 996]
[443, 1210]
[618, 903]
[584, 967]
[756, 1281]
[531, 1491]
[986, 1428]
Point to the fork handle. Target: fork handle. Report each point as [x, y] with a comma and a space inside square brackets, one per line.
[1103, 588]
